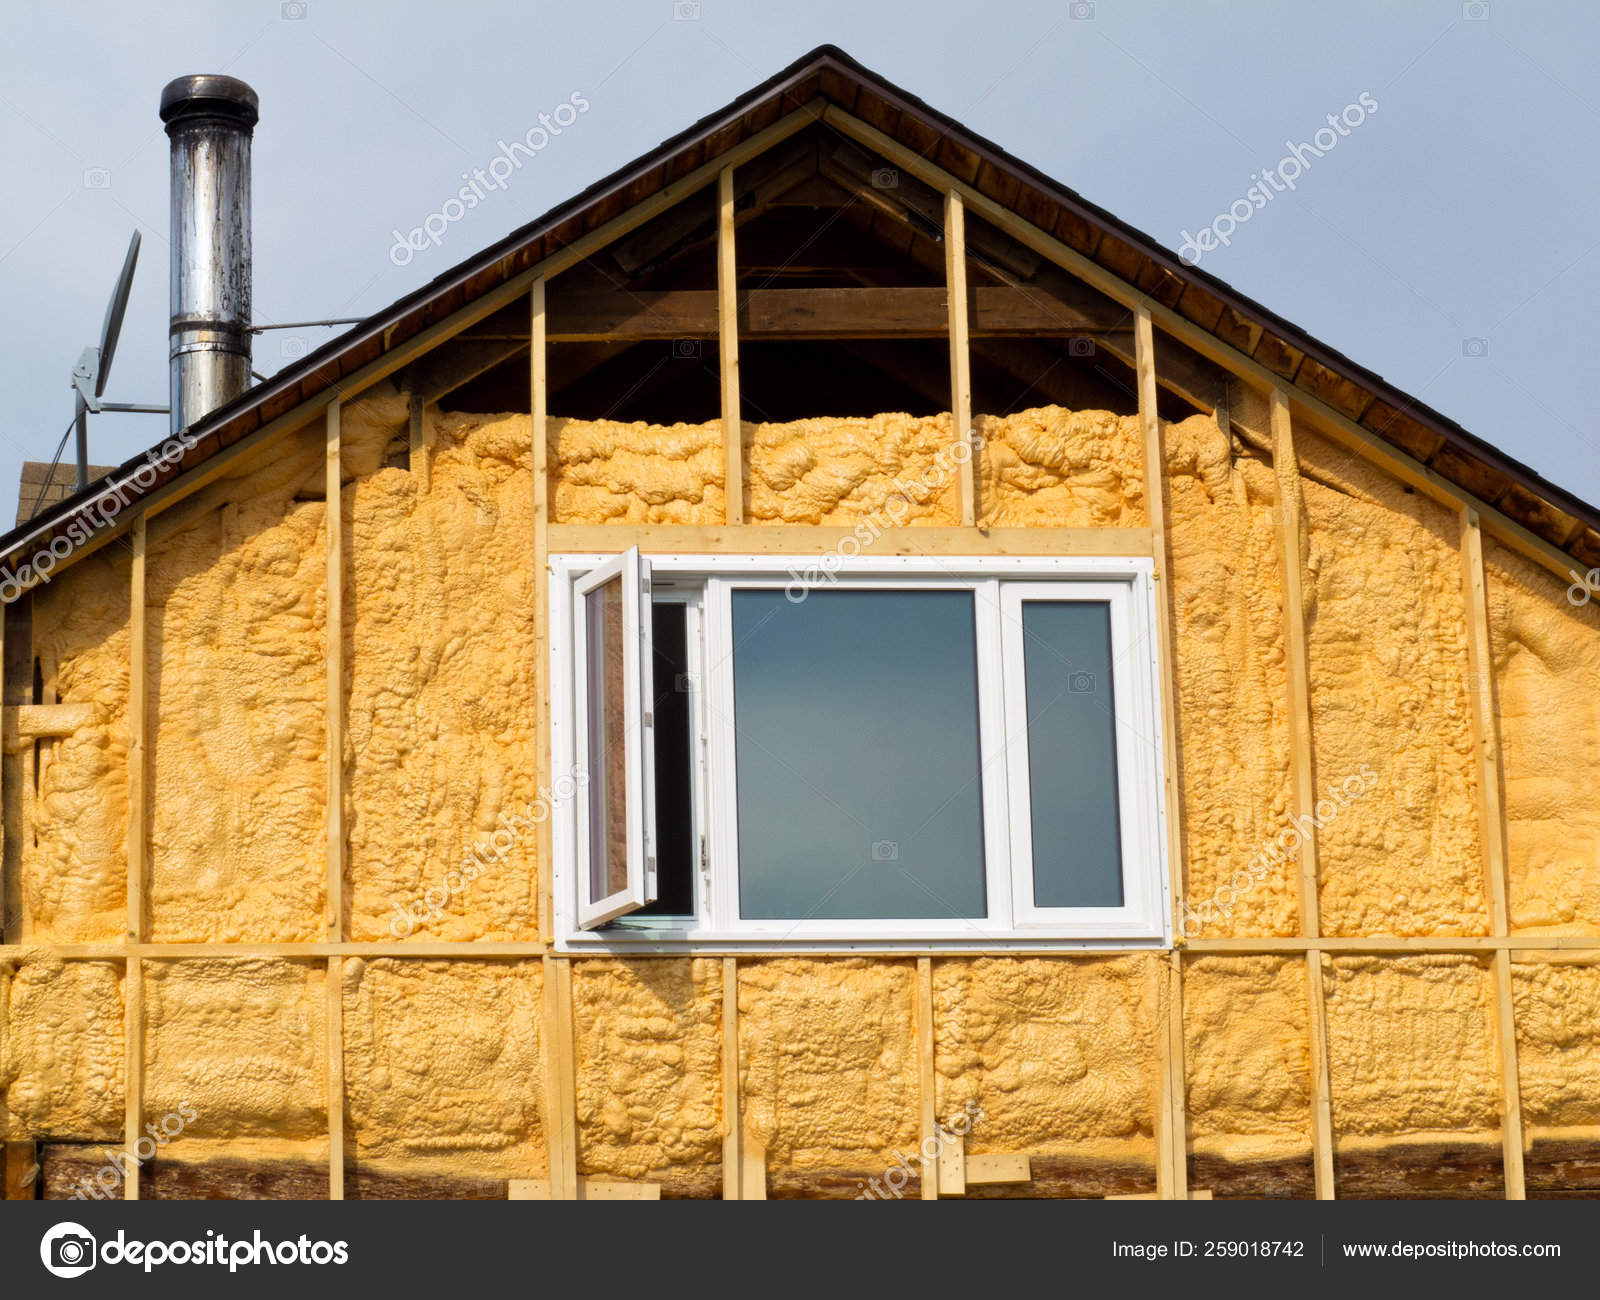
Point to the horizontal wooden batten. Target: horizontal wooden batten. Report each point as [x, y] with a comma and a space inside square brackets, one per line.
[993, 312]
[1529, 947]
[803, 539]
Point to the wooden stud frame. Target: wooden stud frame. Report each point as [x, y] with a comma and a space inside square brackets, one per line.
[1492, 832]
[1291, 537]
[728, 351]
[334, 490]
[1172, 1136]
[1477, 517]
[926, 1081]
[955, 277]
[138, 822]
[732, 1111]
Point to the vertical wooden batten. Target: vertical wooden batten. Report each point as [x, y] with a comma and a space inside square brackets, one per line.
[728, 351]
[334, 514]
[560, 1079]
[1492, 831]
[538, 406]
[926, 1080]
[732, 1116]
[1291, 529]
[955, 277]
[1172, 1174]
[417, 444]
[138, 823]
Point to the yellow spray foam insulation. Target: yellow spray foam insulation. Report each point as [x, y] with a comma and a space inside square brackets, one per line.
[442, 1061]
[74, 881]
[1232, 684]
[62, 1051]
[237, 691]
[1558, 1042]
[1390, 704]
[1050, 467]
[604, 471]
[1246, 1053]
[1546, 668]
[1411, 1045]
[444, 800]
[1057, 1052]
[828, 1060]
[648, 1040]
[240, 1041]
[838, 471]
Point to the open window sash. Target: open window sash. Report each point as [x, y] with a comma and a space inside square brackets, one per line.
[616, 826]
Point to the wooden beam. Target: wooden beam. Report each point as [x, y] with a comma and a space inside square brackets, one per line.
[955, 280]
[1482, 700]
[987, 1170]
[728, 351]
[805, 541]
[133, 1095]
[417, 444]
[752, 1167]
[1321, 1087]
[538, 404]
[866, 312]
[928, 1121]
[26, 723]
[16, 767]
[1485, 719]
[732, 1119]
[1155, 476]
[336, 1093]
[1173, 1170]
[1291, 529]
[334, 915]
[138, 737]
[561, 1120]
[334, 712]
[588, 1189]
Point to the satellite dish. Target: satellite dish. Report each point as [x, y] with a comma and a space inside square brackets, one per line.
[116, 309]
[94, 364]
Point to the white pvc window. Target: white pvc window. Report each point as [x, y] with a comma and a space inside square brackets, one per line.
[957, 752]
[615, 859]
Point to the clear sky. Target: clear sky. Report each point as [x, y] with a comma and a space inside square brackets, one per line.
[1447, 242]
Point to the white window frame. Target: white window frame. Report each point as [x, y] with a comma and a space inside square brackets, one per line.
[1126, 583]
[632, 572]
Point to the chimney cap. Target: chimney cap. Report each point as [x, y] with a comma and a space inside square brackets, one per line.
[210, 94]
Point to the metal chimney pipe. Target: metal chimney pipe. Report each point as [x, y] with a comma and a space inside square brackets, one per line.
[209, 120]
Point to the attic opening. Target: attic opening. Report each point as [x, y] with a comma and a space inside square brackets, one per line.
[843, 310]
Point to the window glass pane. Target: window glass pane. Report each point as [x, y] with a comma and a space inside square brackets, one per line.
[607, 726]
[857, 755]
[1072, 754]
[677, 850]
